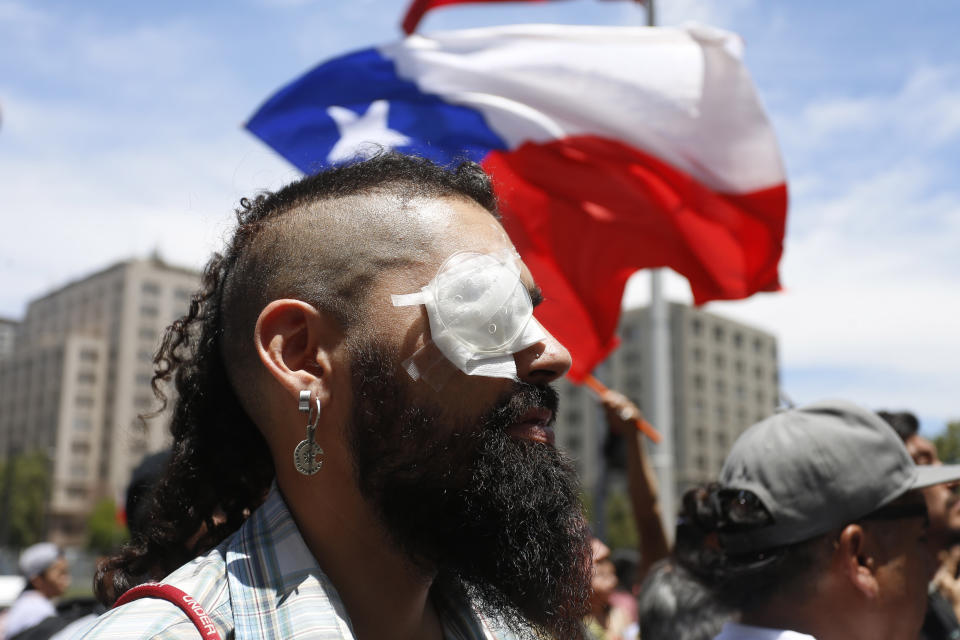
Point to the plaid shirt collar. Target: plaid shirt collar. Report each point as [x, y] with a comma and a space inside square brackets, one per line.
[277, 589]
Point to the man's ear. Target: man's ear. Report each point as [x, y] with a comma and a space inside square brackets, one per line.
[294, 343]
[858, 560]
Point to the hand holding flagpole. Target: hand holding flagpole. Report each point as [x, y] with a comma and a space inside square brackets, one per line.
[638, 420]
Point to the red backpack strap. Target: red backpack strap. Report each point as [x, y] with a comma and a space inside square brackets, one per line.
[167, 592]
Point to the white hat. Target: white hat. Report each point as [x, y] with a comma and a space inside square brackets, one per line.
[37, 558]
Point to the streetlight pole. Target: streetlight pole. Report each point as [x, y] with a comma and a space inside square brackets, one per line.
[660, 379]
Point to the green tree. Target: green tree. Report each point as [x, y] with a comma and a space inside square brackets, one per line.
[948, 443]
[104, 532]
[24, 491]
[621, 528]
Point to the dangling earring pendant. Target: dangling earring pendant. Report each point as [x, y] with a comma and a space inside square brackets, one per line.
[305, 456]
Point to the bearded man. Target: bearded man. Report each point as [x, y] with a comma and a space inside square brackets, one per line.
[362, 439]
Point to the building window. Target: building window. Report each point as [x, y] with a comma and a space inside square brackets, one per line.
[631, 358]
[757, 345]
[627, 333]
[697, 354]
[737, 339]
[76, 493]
[721, 414]
[78, 470]
[696, 325]
[149, 311]
[181, 294]
[144, 356]
[718, 333]
[88, 355]
[758, 372]
[80, 447]
[84, 402]
[698, 382]
[86, 377]
[719, 361]
[150, 288]
[81, 423]
[147, 333]
[574, 442]
[721, 386]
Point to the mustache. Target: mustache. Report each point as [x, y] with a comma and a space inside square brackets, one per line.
[520, 399]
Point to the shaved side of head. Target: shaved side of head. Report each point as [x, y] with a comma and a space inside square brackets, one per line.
[326, 239]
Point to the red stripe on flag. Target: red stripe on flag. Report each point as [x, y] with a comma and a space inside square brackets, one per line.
[418, 8]
[587, 212]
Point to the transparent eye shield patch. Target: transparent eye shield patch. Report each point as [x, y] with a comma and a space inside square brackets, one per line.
[480, 314]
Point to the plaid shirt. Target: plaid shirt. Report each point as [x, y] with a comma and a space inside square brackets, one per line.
[261, 582]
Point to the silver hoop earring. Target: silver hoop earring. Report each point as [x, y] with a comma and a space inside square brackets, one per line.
[305, 456]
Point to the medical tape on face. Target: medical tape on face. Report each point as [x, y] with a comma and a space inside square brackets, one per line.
[480, 314]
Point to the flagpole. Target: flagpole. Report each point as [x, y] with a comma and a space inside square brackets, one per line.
[660, 376]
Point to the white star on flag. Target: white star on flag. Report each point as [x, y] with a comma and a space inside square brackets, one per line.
[369, 130]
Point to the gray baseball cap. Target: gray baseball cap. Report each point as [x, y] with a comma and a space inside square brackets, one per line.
[819, 467]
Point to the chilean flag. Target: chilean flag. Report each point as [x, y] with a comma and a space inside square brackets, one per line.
[612, 149]
[418, 8]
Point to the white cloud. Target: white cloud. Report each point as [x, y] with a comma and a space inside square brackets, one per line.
[924, 112]
[871, 279]
[76, 214]
[674, 12]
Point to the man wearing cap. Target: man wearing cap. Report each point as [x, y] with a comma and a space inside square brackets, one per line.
[943, 507]
[48, 577]
[820, 528]
[362, 436]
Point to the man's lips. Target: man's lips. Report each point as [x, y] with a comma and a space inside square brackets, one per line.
[534, 425]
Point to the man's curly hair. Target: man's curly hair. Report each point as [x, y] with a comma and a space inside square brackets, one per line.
[312, 240]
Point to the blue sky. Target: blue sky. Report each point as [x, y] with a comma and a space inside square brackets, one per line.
[121, 134]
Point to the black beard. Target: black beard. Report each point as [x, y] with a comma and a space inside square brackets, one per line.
[494, 518]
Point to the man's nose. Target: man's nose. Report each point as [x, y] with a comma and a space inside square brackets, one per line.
[543, 362]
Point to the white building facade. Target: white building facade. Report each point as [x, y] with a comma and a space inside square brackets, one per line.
[724, 376]
[79, 377]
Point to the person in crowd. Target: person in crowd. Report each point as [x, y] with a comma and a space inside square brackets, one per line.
[48, 576]
[621, 414]
[613, 613]
[943, 506]
[625, 595]
[363, 424]
[817, 528]
[143, 481]
[605, 621]
[675, 605]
